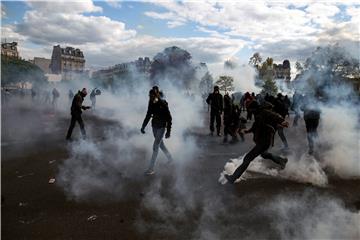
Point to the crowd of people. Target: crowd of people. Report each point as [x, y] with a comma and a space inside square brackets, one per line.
[269, 113]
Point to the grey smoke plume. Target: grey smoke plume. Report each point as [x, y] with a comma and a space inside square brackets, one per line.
[310, 216]
[97, 166]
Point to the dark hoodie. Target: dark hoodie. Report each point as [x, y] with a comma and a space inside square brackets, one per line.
[160, 113]
[76, 106]
[265, 125]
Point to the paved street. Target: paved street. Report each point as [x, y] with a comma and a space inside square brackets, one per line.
[183, 200]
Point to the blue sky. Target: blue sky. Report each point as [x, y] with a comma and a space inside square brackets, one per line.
[114, 32]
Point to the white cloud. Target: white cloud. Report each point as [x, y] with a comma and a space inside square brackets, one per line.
[68, 7]
[114, 3]
[208, 50]
[272, 28]
[275, 27]
[70, 27]
[105, 41]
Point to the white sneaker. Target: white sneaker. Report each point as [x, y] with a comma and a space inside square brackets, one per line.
[149, 172]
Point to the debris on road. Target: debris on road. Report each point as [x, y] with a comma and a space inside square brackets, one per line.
[51, 180]
[92, 218]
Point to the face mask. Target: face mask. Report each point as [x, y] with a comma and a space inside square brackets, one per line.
[156, 100]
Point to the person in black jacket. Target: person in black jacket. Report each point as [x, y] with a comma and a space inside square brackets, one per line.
[264, 128]
[159, 111]
[76, 111]
[312, 117]
[281, 107]
[215, 100]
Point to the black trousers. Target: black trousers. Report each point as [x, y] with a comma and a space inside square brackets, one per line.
[249, 115]
[311, 129]
[215, 116]
[282, 137]
[76, 118]
[259, 149]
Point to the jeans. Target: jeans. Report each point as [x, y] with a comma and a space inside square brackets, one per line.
[76, 118]
[158, 143]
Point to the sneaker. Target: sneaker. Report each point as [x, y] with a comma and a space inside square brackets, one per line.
[229, 178]
[283, 162]
[219, 134]
[149, 172]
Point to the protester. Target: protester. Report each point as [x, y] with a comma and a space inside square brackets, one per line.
[264, 127]
[311, 117]
[281, 107]
[56, 95]
[215, 100]
[95, 92]
[159, 111]
[76, 111]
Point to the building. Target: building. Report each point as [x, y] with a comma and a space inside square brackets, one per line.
[43, 64]
[9, 49]
[67, 61]
[282, 71]
[142, 65]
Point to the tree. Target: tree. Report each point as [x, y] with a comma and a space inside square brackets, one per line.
[255, 60]
[206, 84]
[299, 67]
[15, 71]
[269, 87]
[229, 64]
[267, 69]
[326, 70]
[225, 83]
[173, 64]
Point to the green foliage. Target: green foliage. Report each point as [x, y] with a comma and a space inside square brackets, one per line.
[255, 60]
[14, 71]
[269, 87]
[225, 83]
[266, 70]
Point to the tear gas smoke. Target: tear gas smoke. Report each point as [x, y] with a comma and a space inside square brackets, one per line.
[106, 165]
[243, 74]
[304, 170]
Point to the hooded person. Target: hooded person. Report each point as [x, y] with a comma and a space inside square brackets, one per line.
[159, 111]
[312, 113]
[264, 128]
[282, 107]
[76, 111]
[215, 100]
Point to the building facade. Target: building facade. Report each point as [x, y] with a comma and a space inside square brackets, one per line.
[43, 64]
[141, 65]
[67, 61]
[9, 49]
[282, 71]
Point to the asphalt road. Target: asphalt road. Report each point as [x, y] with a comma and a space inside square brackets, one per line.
[183, 201]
